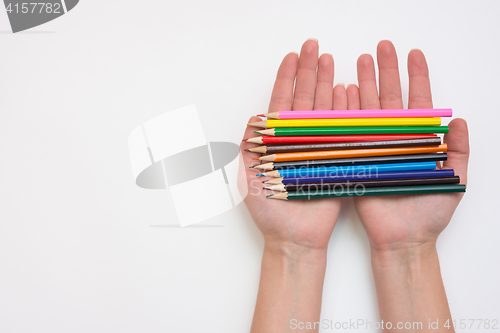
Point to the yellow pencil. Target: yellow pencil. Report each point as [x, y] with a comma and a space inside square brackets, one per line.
[272, 123]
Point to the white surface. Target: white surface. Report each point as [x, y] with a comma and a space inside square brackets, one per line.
[174, 132]
[77, 250]
[202, 198]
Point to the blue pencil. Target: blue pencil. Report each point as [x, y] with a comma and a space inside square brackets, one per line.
[373, 175]
[345, 170]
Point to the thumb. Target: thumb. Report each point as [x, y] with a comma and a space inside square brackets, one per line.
[249, 133]
[248, 177]
[457, 140]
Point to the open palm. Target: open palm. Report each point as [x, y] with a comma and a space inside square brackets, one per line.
[307, 223]
[394, 222]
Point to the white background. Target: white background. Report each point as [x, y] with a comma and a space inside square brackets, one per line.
[79, 250]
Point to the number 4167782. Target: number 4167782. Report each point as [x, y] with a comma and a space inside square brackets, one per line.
[34, 7]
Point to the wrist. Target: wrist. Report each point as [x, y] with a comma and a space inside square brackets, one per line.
[409, 284]
[291, 286]
[295, 253]
[414, 260]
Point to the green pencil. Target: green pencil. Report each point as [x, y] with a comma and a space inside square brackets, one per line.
[362, 192]
[294, 131]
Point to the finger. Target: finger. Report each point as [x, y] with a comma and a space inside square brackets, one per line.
[282, 95]
[389, 83]
[305, 82]
[339, 97]
[420, 86]
[353, 102]
[368, 94]
[457, 140]
[323, 99]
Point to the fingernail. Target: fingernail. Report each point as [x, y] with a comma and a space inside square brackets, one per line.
[341, 84]
[314, 39]
[297, 53]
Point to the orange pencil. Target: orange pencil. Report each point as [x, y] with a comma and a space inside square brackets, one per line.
[321, 155]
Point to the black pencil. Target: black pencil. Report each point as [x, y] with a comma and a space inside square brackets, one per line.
[364, 183]
[353, 161]
[346, 145]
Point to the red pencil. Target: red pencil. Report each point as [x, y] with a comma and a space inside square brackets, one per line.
[278, 140]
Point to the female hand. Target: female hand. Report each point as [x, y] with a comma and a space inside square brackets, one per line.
[307, 224]
[403, 230]
[399, 222]
[296, 233]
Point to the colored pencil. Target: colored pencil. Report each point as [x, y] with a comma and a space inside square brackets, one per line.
[352, 161]
[365, 183]
[375, 175]
[398, 190]
[280, 140]
[353, 130]
[318, 155]
[332, 114]
[348, 170]
[346, 145]
[270, 123]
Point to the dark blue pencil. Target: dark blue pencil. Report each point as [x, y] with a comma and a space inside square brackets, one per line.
[373, 175]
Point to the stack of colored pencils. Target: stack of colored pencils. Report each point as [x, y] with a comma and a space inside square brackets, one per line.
[335, 153]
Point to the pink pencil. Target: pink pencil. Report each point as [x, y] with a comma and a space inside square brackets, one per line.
[333, 114]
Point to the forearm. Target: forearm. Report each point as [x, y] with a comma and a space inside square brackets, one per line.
[410, 288]
[290, 290]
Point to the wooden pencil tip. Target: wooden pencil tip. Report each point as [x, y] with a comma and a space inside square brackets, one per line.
[260, 115]
[258, 124]
[256, 139]
[247, 149]
[281, 196]
[244, 140]
[268, 158]
[255, 158]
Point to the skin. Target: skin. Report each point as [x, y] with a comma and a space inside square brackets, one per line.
[296, 235]
[402, 229]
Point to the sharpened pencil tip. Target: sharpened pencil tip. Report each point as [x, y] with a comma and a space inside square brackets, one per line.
[260, 174]
[267, 196]
[247, 149]
[265, 181]
[251, 167]
[260, 115]
[255, 158]
[244, 140]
